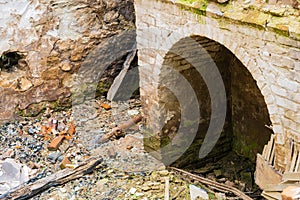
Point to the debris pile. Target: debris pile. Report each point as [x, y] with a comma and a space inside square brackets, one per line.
[61, 155]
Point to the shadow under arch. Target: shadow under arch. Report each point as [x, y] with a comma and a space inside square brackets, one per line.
[244, 130]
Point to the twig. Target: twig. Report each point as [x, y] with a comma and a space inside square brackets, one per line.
[218, 186]
[178, 193]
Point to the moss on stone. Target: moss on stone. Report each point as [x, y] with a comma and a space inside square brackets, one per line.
[35, 109]
[195, 6]
[243, 149]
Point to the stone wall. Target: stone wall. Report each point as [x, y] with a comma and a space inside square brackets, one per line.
[53, 38]
[264, 41]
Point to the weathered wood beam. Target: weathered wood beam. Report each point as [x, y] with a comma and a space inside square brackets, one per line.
[26, 191]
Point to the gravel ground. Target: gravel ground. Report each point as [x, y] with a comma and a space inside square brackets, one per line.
[127, 171]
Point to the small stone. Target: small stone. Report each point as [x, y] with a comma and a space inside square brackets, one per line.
[53, 157]
[63, 190]
[100, 184]
[64, 146]
[164, 173]
[132, 190]
[77, 188]
[9, 153]
[60, 158]
[146, 188]
[133, 112]
[66, 66]
[31, 131]
[75, 57]
[222, 1]
[111, 152]
[139, 194]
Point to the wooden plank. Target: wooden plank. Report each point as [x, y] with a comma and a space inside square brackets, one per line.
[271, 161]
[289, 156]
[264, 151]
[267, 151]
[293, 161]
[291, 176]
[270, 146]
[278, 187]
[297, 163]
[26, 191]
[265, 174]
[272, 195]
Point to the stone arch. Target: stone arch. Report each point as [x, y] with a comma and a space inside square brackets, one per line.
[167, 38]
[178, 42]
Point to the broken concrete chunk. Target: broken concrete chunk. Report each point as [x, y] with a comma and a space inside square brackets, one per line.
[197, 192]
[12, 174]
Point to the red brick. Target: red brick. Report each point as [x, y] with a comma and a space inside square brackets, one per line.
[65, 162]
[53, 146]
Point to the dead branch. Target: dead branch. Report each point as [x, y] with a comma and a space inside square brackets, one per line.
[216, 185]
[27, 191]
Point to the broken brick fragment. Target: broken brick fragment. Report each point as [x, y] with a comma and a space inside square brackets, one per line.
[53, 146]
[45, 130]
[129, 147]
[66, 161]
[72, 129]
[68, 137]
[105, 106]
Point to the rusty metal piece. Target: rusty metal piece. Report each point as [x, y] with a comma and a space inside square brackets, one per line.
[119, 130]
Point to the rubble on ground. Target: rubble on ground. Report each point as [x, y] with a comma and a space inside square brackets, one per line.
[46, 145]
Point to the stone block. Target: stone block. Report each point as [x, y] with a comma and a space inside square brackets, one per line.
[289, 85]
[278, 90]
[287, 104]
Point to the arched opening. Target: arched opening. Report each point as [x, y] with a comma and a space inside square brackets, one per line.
[245, 131]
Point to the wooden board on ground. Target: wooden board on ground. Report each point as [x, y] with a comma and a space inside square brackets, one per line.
[272, 195]
[26, 191]
[290, 176]
[265, 174]
[278, 187]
